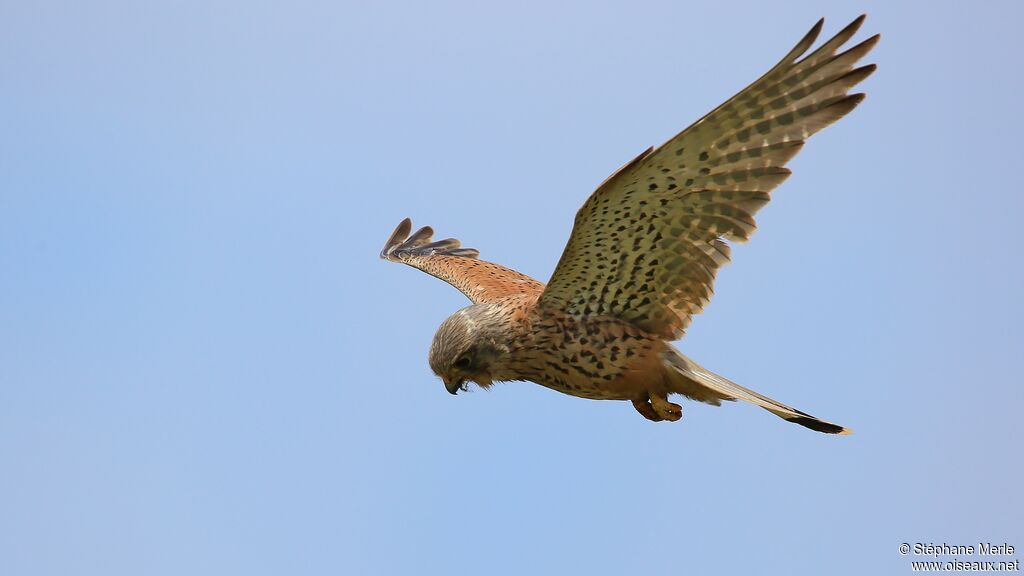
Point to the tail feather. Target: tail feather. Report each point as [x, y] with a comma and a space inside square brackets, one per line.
[730, 390]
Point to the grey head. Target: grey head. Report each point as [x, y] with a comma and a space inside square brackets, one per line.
[469, 346]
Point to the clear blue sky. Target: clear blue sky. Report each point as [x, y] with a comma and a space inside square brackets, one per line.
[205, 369]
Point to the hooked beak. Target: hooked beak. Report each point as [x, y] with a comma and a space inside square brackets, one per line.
[453, 386]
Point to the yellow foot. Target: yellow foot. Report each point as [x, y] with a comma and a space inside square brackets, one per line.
[665, 409]
[645, 409]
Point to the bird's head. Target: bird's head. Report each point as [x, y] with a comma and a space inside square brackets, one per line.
[467, 347]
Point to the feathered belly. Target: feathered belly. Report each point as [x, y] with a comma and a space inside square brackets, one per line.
[600, 359]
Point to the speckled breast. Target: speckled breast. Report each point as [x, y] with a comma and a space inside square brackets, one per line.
[598, 358]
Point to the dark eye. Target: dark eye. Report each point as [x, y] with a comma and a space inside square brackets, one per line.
[462, 362]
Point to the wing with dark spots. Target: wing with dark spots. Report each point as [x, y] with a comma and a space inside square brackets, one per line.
[647, 244]
[480, 280]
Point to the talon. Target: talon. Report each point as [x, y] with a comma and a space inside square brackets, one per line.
[645, 410]
[665, 409]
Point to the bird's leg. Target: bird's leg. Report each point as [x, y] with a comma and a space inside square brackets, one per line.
[665, 409]
[645, 410]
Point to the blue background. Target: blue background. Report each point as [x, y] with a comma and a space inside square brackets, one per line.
[205, 369]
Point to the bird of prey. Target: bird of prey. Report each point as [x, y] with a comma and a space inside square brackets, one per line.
[643, 253]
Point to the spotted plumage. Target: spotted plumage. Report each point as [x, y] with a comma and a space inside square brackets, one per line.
[643, 253]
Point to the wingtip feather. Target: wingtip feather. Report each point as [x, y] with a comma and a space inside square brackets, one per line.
[421, 243]
[849, 30]
[805, 43]
[396, 238]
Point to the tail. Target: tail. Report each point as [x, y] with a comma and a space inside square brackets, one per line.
[726, 389]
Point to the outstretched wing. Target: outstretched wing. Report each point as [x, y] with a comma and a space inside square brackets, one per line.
[480, 280]
[647, 244]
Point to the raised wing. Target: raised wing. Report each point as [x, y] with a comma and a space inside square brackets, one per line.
[480, 280]
[647, 244]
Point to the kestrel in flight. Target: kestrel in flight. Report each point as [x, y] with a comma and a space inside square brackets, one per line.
[643, 253]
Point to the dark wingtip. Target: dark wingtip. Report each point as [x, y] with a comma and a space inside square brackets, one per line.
[420, 243]
[853, 100]
[816, 29]
[819, 425]
[419, 237]
[806, 42]
[851, 28]
[401, 233]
